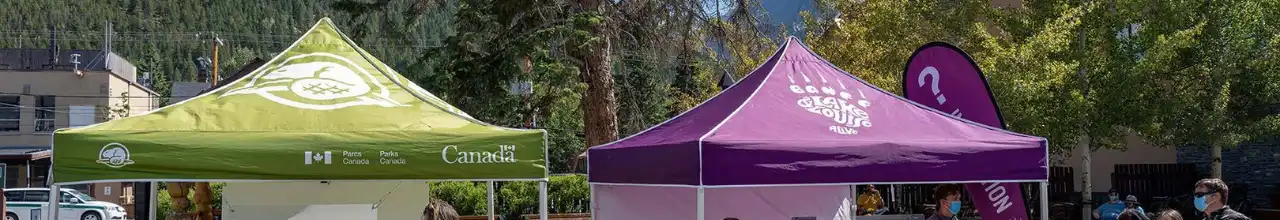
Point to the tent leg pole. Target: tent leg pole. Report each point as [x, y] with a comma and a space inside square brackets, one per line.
[152, 200]
[542, 200]
[1044, 200]
[491, 201]
[702, 203]
[591, 203]
[54, 195]
[853, 189]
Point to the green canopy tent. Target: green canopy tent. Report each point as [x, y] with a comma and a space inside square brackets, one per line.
[323, 109]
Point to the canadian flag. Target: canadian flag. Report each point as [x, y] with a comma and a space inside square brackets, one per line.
[327, 157]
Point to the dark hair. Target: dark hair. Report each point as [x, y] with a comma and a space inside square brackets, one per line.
[1172, 214]
[730, 218]
[1130, 214]
[1215, 185]
[439, 210]
[945, 190]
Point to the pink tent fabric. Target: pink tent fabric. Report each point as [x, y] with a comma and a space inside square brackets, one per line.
[799, 120]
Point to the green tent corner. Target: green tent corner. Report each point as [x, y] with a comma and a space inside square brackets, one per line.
[323, 109]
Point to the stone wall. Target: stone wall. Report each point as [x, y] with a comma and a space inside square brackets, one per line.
[1256, 165]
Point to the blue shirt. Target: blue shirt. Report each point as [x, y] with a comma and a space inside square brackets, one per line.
[1111, 210]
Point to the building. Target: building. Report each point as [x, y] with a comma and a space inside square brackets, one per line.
[42, 90]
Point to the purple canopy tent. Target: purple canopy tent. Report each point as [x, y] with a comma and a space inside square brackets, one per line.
[798, 122]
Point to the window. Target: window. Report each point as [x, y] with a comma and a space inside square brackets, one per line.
[82, 196]
[77, 187]
[13, 196]
[36, 196]
[81, 115]
[10, 113]
[11, 176]
[45, 113]
[40, 170]
[66, 198]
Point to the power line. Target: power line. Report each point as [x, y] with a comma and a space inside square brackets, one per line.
[92, 96]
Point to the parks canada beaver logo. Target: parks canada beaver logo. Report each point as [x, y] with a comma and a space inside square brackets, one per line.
[317, 81]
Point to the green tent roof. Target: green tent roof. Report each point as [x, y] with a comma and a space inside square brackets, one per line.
[323, 109]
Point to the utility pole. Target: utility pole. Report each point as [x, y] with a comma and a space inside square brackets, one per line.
[213, 80]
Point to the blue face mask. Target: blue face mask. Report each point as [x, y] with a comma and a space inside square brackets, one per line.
[1200, 203]
[955, 207]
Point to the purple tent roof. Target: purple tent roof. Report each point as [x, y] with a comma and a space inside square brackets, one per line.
[798, 119]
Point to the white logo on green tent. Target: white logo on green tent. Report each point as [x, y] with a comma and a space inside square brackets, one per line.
[832, 101]
[114, 155]
[317, 81]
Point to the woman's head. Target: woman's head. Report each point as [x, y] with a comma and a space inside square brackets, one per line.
[439, 210]
[1131, 214]
[1169, 215]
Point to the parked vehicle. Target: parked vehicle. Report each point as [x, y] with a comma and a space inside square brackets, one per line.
[28, 204]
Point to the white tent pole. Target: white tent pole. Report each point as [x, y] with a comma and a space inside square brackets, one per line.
[542, 200]
[491, 201]
[702, 203]
[1044, 200]
[153, 200]
[853, 189]
[54, 195]
[591, 203]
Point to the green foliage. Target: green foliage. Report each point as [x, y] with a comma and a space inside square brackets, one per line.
[567, 194]
[163, 36]
[468, 198]
[1025, 53]
[164, 203]
[1203, 72]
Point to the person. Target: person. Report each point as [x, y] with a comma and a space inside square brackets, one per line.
[1211, 198]
[1112, 209]
[1169, 215]
[439, 210]
[948, 200]
[871, 203]
[1131, 204]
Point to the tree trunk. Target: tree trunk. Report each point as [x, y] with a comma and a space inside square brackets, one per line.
[1085, 145]
[1216, 164]
[600, 107]
[1086, 177]
[178, 192]
[204, 201]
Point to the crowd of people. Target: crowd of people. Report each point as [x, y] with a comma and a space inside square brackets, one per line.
[1210, 199]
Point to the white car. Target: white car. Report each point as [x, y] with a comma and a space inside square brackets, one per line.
[27, 203]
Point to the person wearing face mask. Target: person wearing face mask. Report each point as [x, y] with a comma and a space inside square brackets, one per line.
[948, 198]
[1112, 209]
[1211, 198]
